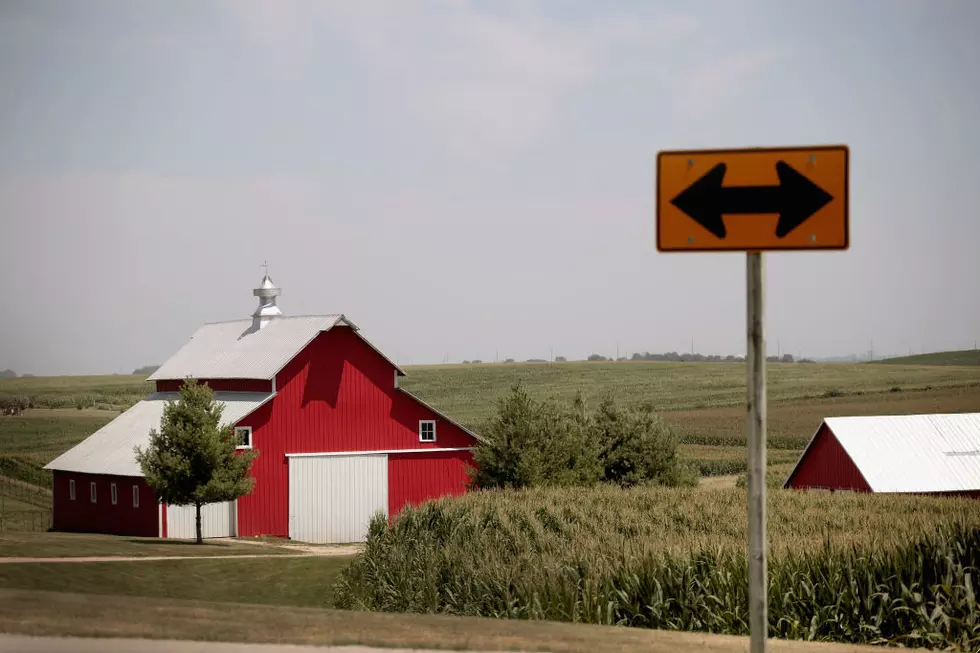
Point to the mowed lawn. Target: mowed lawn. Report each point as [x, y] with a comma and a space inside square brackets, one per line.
[81, 615]
[302, 581]
[16, 544]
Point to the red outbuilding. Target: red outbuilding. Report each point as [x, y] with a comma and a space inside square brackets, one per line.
[910, 454]
[338, 439]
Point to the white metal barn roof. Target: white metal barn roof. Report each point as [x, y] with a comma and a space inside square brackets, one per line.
[236, 350]
[110, 449]
[913, 453]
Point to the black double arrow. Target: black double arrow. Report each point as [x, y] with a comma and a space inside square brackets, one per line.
[795, 199]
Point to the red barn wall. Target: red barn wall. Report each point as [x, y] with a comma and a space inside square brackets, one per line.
[337, 394]
[103, 517]
[220, 385]
[414, 478]
[826, 465]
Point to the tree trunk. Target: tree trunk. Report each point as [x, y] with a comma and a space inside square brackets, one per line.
[200, 540]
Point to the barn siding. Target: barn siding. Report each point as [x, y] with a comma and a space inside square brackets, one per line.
[414, 478]
[336, 395]
[82, 515]
[220, 385]
[826, 465]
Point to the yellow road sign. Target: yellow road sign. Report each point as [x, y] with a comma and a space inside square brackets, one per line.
[753, 199]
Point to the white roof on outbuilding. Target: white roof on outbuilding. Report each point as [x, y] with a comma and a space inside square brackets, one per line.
[237, 350]
[110, 449]
[913, 453]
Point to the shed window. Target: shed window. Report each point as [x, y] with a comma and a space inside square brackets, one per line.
[71, 489]
[114, 495]
[427, 430]
[243, 436]
[136, 496]
[91, 491]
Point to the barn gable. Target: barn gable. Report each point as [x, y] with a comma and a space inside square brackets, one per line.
[826, 465]
[338, 398]
[895, 453]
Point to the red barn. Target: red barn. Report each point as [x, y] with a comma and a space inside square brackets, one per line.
[338, 440]
[913, 454]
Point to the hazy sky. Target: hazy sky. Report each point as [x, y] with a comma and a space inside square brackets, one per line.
[466, 178]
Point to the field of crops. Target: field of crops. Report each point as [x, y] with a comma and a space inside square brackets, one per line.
[848, 567]
[107, 392]
[961, 357]
[703, 402]
[468, 392]
[31, 440]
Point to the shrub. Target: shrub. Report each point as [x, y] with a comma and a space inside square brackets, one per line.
[635, 446]
[530, 443]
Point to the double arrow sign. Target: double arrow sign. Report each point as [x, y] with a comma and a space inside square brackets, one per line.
[797, 198]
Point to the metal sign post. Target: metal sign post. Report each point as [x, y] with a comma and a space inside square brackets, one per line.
[756, 405]
[754, 200]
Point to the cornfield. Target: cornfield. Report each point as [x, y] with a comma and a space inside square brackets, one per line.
[855, 568]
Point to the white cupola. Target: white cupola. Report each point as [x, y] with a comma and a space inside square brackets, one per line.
[267, 309]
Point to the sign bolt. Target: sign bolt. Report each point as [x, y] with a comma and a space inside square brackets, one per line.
[690, 162]
[813, 238]
[690, 239]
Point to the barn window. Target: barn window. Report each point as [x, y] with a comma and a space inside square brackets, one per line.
[91, 491]
[115, 495]
[71, 489]
[136, 496]
[243, 436]
[427, 430]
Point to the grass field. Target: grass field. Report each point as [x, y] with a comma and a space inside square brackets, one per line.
[468, 392]
[702, 401]
[73, 545]
[302, 581]
[966, 357]
[83, 615]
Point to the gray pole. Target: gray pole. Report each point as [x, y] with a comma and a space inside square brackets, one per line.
[758, 585]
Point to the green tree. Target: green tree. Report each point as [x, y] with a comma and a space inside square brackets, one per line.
[636, 447]
[529, 443]
[193, 459]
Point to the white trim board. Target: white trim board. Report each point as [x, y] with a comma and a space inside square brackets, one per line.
[374, 453]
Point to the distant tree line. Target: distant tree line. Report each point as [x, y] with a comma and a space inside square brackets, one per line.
[8, 374]
[146, 370]
[675, 357]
